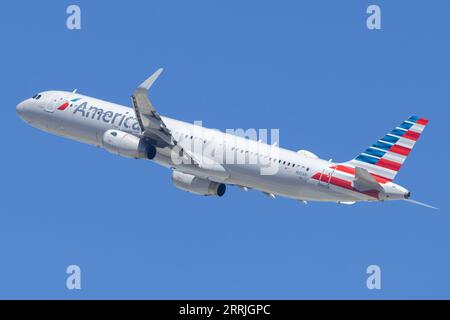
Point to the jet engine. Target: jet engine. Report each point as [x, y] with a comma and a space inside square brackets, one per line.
[196, 185]
[127, 145]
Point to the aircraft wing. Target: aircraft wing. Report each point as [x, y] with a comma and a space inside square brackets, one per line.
[148, 118]
[150, 122]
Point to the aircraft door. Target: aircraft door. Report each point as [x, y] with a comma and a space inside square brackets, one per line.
[325, 177]
[54, 101]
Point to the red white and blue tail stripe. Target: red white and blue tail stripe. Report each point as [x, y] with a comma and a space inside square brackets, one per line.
[385, 158]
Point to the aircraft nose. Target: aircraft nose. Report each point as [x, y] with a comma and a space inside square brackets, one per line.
[23, 109]
[20, 108]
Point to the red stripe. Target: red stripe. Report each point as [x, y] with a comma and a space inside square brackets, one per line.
[400, 150]
[372, 193]
[388, 164]
[343, 184]
[411, 135]
[344, 169]
[350, 170]
[336, 181]
[422, 121]
[380, 179]
[63, 106]
[319, 177]
[316, 176]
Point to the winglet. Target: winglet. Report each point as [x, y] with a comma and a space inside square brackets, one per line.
[149, 82]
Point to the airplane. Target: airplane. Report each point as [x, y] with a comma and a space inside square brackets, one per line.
[204, 161]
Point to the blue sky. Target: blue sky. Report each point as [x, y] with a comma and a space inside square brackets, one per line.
[310, 68]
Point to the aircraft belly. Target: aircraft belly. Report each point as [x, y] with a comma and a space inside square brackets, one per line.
[87, 134]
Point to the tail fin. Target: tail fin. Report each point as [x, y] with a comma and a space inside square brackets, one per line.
[386, 156]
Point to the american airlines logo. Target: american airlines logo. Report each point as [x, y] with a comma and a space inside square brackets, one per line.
[126, 120]
[67, 104]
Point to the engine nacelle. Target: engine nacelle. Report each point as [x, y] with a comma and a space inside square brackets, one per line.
[127, 145]
[196, 185]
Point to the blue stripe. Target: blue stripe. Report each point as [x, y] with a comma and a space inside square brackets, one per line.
[367, 159]
[398, 132]
[75, 100]
[382, 145]
[374, 152]
[390, 139]
[405, 125]
[413, 119]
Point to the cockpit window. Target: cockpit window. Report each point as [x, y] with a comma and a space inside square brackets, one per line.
[36, 96]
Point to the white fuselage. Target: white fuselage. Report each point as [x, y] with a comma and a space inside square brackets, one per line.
[86, 119]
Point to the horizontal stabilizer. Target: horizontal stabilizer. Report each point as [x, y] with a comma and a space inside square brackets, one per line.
[364, 181]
